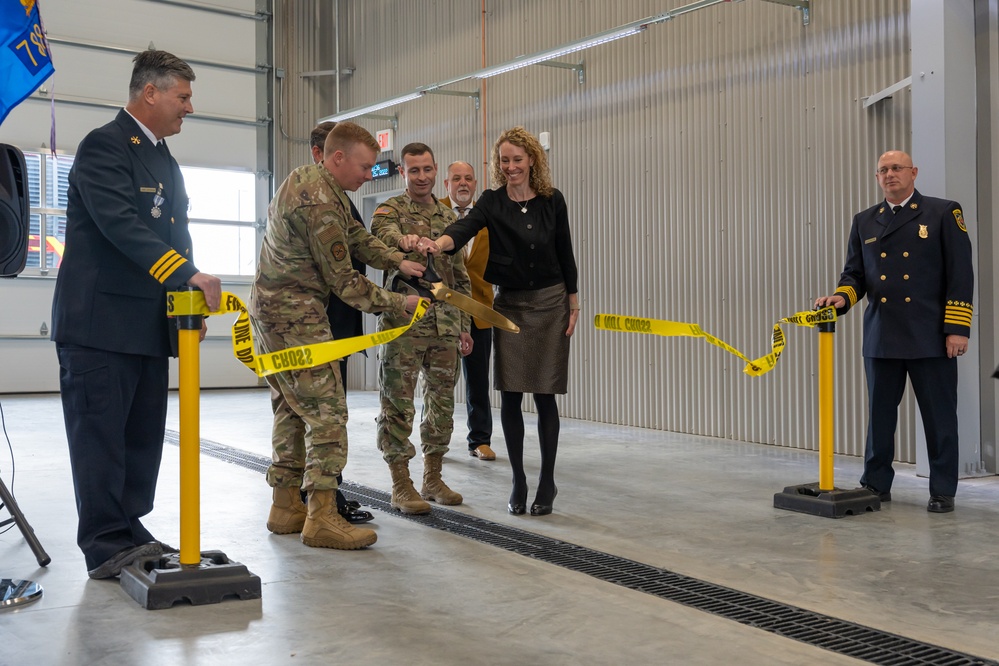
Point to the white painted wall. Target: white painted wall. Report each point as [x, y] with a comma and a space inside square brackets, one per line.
[27, 357]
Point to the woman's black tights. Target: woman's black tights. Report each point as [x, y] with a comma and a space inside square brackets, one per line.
[512, 419]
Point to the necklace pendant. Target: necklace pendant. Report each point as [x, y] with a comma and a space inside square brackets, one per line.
[523, 209]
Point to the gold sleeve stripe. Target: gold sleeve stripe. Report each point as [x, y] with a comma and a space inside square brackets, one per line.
[169, 270]
[957, 309]
[166, 257]
[850, 293]
[167, 264]
[957, 322]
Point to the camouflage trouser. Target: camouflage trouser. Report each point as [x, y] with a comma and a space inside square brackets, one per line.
[309, 436]
[402, 361]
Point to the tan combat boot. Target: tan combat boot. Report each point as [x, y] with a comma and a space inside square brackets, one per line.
[404, 495]
[434, 488]
[326, 528]
[287, 514]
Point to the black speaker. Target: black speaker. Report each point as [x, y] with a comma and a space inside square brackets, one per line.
[14, 211]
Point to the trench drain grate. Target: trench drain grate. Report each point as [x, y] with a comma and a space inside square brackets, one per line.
[823, 631]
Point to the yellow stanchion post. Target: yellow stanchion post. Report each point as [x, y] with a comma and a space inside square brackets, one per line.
[824, 498]
[826, 400]
[189, 370]
[192, 575]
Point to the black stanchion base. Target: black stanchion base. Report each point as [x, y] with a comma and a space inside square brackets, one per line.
[835, 503]
[160, 582]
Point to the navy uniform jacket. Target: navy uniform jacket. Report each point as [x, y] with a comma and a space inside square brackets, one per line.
[915, 268]
[121, 258]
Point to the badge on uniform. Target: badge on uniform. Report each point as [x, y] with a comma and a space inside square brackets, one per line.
[157, 202]
[960, 220]
[913, 206]
[923, 231]
[881, 210]
[339, 251]
[135, 140]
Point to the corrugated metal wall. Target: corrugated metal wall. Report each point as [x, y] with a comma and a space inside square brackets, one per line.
[712, 165]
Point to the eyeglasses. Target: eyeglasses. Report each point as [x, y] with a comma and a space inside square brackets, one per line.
[894, 168]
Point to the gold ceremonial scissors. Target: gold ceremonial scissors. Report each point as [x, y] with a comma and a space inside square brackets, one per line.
[439, 292]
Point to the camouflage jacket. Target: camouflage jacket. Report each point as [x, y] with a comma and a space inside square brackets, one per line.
[306, 254]
[400, 216]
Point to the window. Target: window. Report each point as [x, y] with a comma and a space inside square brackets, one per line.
[222, 211]
[48, 179]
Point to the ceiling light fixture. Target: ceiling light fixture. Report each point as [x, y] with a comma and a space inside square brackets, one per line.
[519, 62]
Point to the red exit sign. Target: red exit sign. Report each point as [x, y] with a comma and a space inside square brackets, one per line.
[386, 139]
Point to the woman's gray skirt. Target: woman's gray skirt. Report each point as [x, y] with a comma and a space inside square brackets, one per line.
[536, 360]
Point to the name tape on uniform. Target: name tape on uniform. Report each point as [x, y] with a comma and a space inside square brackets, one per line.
[754, 368]
[181, 303]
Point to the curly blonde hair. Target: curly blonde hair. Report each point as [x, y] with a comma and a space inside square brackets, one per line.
[541, 176]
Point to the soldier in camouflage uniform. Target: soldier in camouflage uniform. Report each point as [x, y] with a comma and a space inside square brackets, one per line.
[305, 256]
[345, 322]
[431, 347]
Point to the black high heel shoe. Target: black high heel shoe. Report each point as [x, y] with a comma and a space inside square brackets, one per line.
[543, 509]
[518, 502]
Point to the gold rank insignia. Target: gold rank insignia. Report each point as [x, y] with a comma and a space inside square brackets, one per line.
[881, 210]
[135, 140]
[960, 220]
[923, 231]
[913, 206]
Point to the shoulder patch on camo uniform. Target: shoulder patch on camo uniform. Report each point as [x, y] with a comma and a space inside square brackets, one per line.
[339, 251]
[327, 234]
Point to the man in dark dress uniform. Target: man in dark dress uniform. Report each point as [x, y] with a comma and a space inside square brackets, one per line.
[911, 256]
[127, 244]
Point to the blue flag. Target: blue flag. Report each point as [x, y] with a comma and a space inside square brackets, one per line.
[25, 60]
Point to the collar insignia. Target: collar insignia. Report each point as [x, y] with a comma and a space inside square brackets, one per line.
[135, 140]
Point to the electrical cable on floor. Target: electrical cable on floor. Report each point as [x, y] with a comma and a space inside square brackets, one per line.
[3, 426]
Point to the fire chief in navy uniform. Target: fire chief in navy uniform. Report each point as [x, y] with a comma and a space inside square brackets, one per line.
[127, 244]
[911, 256]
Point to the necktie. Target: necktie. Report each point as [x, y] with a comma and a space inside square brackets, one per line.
[895, 209]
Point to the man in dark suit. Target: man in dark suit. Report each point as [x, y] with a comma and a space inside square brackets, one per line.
[911, 256]
[127, 244]
[460, 185]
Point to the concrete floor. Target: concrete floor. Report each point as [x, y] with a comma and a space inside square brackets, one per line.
[696, 506]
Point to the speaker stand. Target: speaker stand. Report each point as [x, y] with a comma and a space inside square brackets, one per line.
[14, 593]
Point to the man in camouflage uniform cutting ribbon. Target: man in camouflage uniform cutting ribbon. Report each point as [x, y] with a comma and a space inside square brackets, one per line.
[305, 256]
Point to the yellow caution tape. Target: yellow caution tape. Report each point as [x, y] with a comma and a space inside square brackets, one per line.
[754, 368]
[185, 303]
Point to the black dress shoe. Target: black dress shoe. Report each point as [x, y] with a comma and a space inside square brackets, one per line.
[112, 566]
[883, 496]
[167, 549]
[543, 509]
[940, 504]
[355, 516]
[518, 500]
[351, 504]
